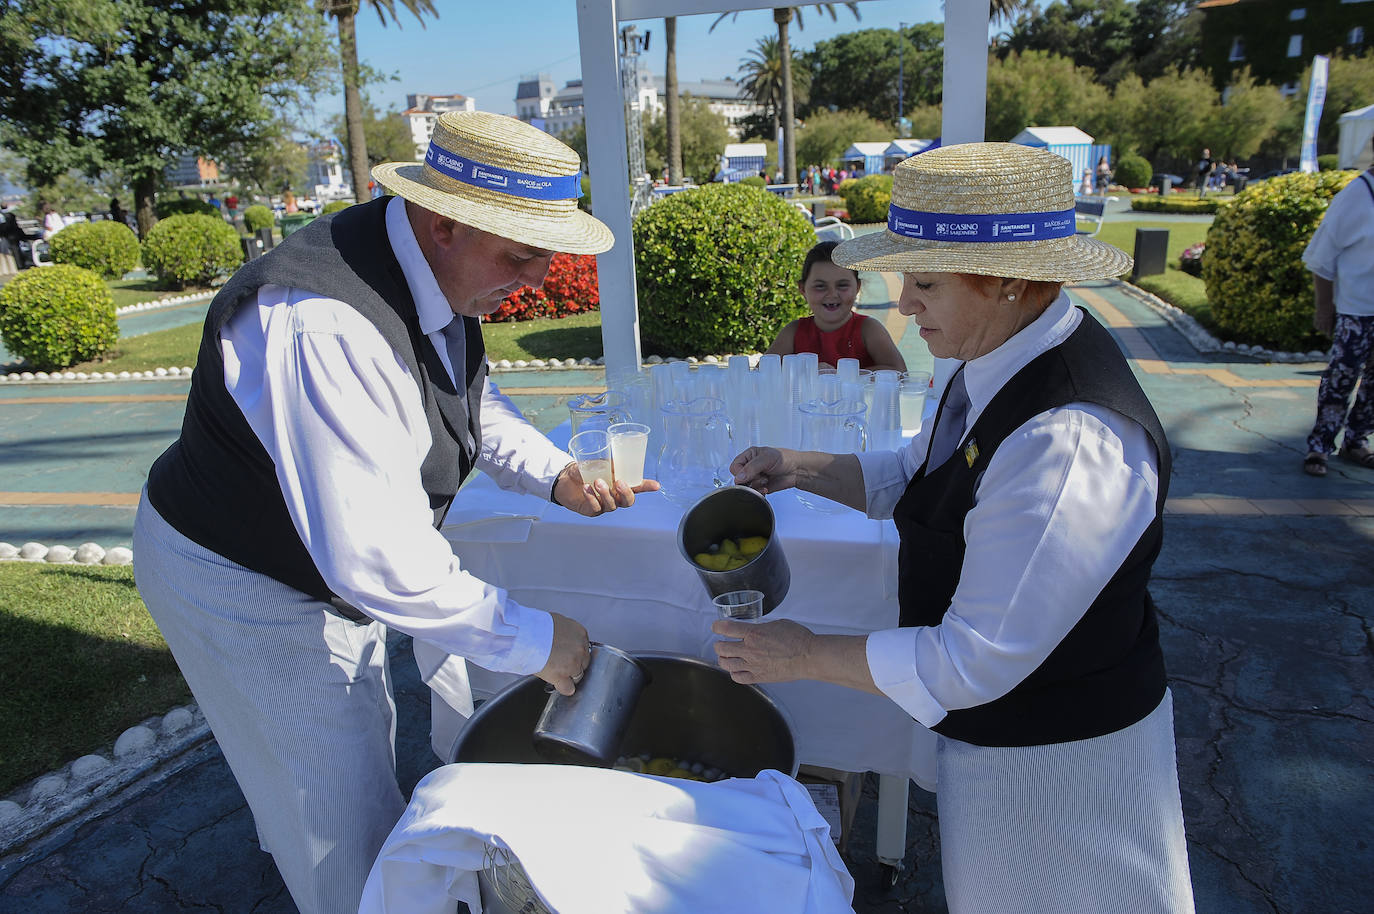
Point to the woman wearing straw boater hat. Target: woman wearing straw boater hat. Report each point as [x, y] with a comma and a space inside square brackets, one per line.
[1029, 515]
[340, 398]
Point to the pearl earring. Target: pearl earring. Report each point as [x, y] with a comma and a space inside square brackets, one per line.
[1011, 297]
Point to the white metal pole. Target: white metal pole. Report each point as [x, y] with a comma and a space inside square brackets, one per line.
[609, 169]
[964, 114]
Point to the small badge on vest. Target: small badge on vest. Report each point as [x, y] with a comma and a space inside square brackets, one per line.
[971, 451]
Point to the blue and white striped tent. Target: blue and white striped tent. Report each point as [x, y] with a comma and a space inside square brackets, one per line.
[868, 157]
[740, 160]
[1069, 142]
[900, 150]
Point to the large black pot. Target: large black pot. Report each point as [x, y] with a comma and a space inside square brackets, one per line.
[690, 710]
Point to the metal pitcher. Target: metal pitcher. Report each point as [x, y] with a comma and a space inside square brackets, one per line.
[586, 727]
[733, 512]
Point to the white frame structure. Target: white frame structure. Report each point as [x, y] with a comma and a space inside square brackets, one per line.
[964, 117]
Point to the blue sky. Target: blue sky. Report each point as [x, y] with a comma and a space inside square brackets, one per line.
[482, 49]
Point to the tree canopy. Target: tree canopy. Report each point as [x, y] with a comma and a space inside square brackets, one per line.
[122, 86]
[1113, 38]
[858, 70]
[704, 136]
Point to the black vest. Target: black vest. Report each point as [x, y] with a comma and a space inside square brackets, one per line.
[216, 484]
[1108, 672]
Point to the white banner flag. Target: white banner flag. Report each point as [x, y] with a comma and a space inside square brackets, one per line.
[1316, 97]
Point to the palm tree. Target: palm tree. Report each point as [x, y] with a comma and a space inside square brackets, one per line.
[762, 72]
[782, 17]
[345, 13]
[672, 104]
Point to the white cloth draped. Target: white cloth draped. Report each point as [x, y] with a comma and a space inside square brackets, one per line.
[597, 841]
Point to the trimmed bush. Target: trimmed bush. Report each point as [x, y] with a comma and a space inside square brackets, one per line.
[1259, 290]
[1328, 162]
[334, 207]
[1131, 171]
[1186, 205]
[57, 316]
[109, 249]
[867, 198]
[754, 181]
[717, 269]
[257, 217]
[191, 250]
[185, 206]
[570, 288]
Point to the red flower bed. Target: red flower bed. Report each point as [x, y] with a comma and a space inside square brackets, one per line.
[570, 288]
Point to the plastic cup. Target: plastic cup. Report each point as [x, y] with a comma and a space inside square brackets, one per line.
[915, 385]
[629, 445]
[740, 605]
[592, 451]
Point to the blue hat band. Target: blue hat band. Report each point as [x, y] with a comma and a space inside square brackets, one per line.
[503, 180]
[983, 229]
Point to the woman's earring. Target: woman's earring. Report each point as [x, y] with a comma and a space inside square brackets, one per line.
[1011, 297]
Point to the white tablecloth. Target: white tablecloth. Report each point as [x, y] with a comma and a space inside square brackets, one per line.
[622, 576]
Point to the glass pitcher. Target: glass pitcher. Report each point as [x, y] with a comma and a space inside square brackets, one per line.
[835, 427]
[698, 445]
[597, 411]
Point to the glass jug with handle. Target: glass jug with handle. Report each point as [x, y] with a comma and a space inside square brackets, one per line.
[835, 427]
[598, 411]
[698, 445]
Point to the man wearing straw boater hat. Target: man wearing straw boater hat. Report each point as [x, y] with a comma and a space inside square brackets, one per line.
[340, 398]
[1029, 514]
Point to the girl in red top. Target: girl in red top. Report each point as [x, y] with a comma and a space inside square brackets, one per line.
[834, 330]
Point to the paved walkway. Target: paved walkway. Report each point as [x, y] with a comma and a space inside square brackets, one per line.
[1264, 586]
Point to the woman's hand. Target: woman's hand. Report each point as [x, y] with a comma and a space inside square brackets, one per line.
[767, 652]
[765, 469]
[570, 491]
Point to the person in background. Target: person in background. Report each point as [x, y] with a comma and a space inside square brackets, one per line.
[1029, 515]
[1340, 257]
[1203, 169]
[1104, 175]
[13, 234]
[1085, 186]
[341, 396]
[215, 202]
[52, 221]
[288, 200]
[117, 213]
[231, 206]
[835, 330]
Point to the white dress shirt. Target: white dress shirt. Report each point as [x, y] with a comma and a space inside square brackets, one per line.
[342, 419]
[1060, 506]
[1342, 247]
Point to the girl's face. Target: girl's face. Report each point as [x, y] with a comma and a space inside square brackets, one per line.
[830, 292]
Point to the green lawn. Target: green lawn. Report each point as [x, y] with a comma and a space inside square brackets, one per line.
[84, 662]
[135, 291]
[176, 347]
[1182, 290]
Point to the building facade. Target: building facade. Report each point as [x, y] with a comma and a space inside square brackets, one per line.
[557, 111]
[1277, 39]
[422, 111]
[191, 171]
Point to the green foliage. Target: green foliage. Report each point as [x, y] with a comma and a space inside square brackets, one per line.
[57, 316]
[109, 249]
[1176, 204]
[1256, 282]
[754, 181]
[704, 136]
[257, 217]
[335, 206]
[858, 71]
[827, 134]
[1112, 37]
[1036, 89]
[1250, 115]
[717, 269]
[191, 250]
[388, 135]
[762, 79]
[1328, 162]
[183, 206]
[1131, 171]
[867, 198]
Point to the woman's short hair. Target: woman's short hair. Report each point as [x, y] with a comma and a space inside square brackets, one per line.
[1039, 293]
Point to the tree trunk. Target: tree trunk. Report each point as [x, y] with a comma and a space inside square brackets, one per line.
[671, 102]
[353, 103]
[145, 190]
[782, 17]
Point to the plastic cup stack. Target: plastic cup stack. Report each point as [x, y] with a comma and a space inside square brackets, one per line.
[683, 388]
[771, 393]
[848, 371]
[885, 415]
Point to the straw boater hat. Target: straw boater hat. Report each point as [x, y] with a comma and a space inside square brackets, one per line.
[502, 176]
[997, 209]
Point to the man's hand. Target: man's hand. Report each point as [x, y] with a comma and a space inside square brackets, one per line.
[569, 656]
[570, 491]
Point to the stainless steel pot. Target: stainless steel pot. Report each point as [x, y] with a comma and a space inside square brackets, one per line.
[733, 512]
[586, 727]
[690, 709]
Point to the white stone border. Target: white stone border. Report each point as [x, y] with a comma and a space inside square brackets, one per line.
[85, 554]
[1203, 341]
[162, 303]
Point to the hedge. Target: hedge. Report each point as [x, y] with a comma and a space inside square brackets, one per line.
[1257, 285]
[1131, 171]
[717, 269]
[109, 249]
[257, 217]
[184, 206]
[867, 198]
[57, 316]
[191, 250]
[1148, 203]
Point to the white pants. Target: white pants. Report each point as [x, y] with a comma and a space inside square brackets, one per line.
[1085, 827]
[299, 700]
